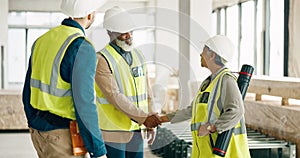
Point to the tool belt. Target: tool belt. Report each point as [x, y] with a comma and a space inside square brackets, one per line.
[77, 142]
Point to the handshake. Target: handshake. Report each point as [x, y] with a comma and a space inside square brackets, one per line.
[153, 120]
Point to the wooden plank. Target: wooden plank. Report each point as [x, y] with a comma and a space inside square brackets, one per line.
[284, 101]
[285, 87]
[277, 121]
[257, 97]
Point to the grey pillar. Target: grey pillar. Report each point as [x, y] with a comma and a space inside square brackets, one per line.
[3, 39]
[184, 49]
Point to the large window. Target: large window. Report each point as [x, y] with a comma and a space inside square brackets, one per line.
[16, 55]
[26, 27]
[257, 29]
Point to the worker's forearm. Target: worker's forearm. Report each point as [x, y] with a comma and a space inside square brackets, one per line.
[180, 115]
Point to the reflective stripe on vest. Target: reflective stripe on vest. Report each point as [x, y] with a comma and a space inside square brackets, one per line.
[237, 130]
[117, 75]
[52, 87]
[141, 97]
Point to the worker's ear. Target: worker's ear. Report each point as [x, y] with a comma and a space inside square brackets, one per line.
[212, 54]
[91, 16]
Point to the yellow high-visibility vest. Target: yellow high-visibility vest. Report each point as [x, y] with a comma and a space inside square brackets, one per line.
[131, 80]
[206, 107]
[49, 92]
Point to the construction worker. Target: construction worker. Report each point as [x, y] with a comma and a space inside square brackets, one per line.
[218, 105]
[122, 93]
[59, 85]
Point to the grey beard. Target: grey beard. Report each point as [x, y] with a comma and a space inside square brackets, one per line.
[124, 45]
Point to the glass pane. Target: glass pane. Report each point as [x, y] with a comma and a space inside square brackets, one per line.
[232, 33]
[17, 18]
[276, 37]
[259, 38]
[16, 56]
[222, 26]
[214, 23]
[36, 19]
[247, 39]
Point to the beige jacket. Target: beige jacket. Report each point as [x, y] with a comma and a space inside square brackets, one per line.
[110, 89]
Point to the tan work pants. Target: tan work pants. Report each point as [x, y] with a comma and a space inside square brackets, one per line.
[53, 144]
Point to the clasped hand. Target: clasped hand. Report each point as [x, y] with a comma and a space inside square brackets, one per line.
[152, 120]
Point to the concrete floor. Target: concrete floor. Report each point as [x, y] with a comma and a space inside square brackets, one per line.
[20, 145]
[16, 145]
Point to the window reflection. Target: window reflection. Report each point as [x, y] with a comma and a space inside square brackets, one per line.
[247, 36]
[16, 56]
[259, 38]
[214, 23]
[232, 33]
[29, 19]
[223, 22]
[17, 18]
[276, 37]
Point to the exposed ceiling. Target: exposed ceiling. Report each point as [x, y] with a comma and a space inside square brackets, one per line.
[54, 5]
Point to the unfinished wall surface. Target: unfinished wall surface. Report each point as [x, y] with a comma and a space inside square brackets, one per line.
[270, 118]
[12, 115]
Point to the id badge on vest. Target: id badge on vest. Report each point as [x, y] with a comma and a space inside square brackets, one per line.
[203, 98]
[137, 71]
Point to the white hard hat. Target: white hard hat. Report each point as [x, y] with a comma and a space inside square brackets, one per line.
[118, 20]
[221, 45]
[80, 8]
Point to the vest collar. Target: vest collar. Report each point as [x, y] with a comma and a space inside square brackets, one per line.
[213, 76]
[72, 23]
